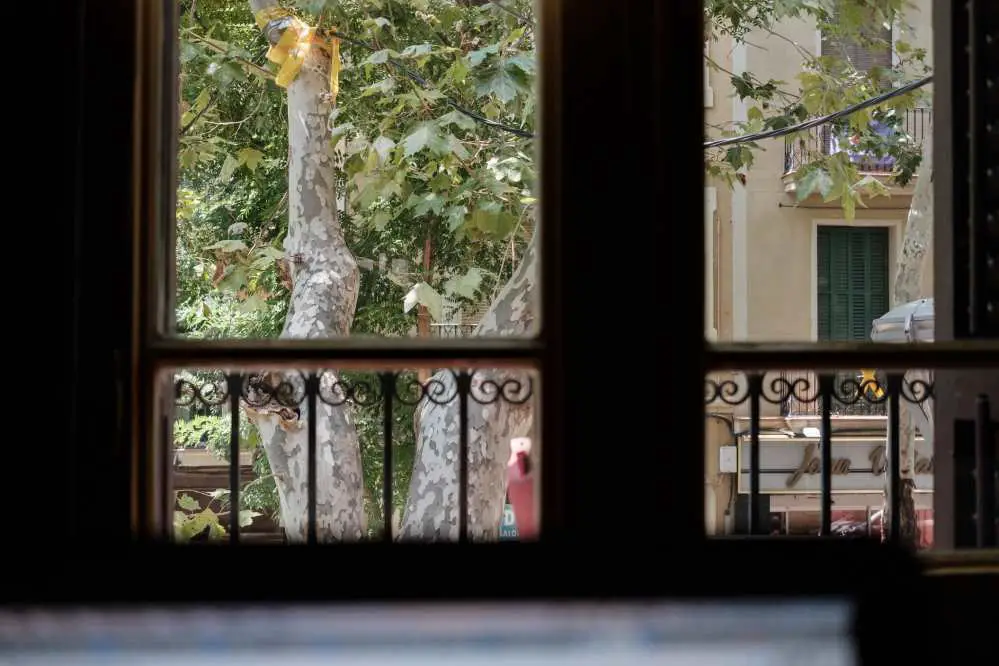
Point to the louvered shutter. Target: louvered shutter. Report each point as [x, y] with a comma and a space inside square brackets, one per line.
[852, 280]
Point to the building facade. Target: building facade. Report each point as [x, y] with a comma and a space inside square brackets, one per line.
[783, 270]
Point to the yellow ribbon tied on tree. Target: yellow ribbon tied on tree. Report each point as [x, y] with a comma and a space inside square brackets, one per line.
[870, 384]
[293, 47]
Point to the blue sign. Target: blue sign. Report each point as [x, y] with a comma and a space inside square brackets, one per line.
[508, 527]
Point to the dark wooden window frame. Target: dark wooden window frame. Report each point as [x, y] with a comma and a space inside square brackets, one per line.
[587, 367]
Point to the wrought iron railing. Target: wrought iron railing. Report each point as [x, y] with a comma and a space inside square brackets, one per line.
[452, 330]
[803, 148]
[827, 394]
[298, 396]
[804, 400]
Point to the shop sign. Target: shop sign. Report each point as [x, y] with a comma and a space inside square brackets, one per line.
[858, 466]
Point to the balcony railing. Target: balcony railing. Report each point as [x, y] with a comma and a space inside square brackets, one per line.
[804, 400]
[803, 148]
[308, 405]
[834, 463]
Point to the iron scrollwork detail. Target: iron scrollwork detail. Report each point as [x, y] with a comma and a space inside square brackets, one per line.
[512, 390]
[266, 389]
[727, 390]
[806, 390]
[335, 392]
[780, 390]
[206, 393]
[289, 390]
[409, 391]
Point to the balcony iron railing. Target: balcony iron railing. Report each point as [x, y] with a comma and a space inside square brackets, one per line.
[297, 396]
[802, 148]
[827, 394]
[804, 400]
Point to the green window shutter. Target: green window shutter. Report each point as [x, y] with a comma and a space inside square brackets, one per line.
[852, 280]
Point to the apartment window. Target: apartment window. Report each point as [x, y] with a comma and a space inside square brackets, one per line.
[852, 280]
[862, 56]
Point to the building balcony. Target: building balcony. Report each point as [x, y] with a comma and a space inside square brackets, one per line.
[848, 399]
[806, 147]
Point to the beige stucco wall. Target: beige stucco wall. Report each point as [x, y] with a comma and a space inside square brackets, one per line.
[762, 278]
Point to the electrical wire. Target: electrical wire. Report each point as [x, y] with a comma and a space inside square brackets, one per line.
[450, 101]
[822, 120]
[716, 143]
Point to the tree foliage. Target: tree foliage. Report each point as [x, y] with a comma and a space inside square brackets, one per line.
[415, 172]
[828, 82]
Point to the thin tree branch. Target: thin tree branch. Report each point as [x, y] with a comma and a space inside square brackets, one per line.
[253, 67]
[211, 101]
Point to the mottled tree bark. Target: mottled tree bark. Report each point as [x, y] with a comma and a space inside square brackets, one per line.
[431, 512]
[916, 242]
[324, 296]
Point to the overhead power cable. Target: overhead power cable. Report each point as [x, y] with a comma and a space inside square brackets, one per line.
[716, 143]
[815, 122]
[419, 80]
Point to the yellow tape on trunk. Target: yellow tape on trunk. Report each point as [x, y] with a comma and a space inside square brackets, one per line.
[293, 47]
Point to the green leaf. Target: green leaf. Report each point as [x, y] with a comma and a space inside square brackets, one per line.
[188, 158]
[383, 147]
[253, 303]
[229, 245]
[417, 50]
[380, 219]
[188, 52]
[378, 22]
[418, 139]
[379, 57]
[272, 253]
[250, 157]
[339, 131]
[426, 203]
[188, 503]
[458, 71]
[383, 87]
[490, 218]
[815, 181]
[456, 118]
[228, 168]
[501, 84]
[455, 217]
[466, 285]
[524, 62]
[456, 147]
[246, 517]
[234, 279]
[423, 294]
[429, 95]
[871, 187]
[476, 58]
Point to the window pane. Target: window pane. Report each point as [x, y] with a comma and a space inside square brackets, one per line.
[422, 409]
[356, 168]
[816, 234]
[789, 471]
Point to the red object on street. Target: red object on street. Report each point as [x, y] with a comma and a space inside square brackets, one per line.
[520, 491]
